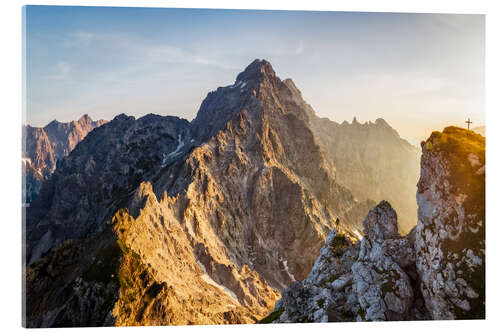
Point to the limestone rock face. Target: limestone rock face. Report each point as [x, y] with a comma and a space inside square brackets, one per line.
[371, 280]
[450, 235]
[42, 147]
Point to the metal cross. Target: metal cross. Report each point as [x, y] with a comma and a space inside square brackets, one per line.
[468, 122]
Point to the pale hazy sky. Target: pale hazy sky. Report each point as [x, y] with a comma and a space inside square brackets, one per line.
[420, 72]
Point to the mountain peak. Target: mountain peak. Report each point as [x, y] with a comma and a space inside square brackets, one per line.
[381, 122]
[85, 117]
[256, 70]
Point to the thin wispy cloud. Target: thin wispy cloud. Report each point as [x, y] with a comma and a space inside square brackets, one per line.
[61, 71]
[83, 36]
[300, 47]
[403, 84]
[368, 65]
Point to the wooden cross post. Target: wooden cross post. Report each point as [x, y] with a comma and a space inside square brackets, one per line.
[468, 122]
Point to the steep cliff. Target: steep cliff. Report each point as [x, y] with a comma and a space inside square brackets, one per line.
[450, 235]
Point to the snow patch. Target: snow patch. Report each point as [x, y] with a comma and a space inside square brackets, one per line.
[285, 269]
[358, 235]
[175, 152]
[238, 84]
[205, 277]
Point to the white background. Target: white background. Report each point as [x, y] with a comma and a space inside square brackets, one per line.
[10, 140]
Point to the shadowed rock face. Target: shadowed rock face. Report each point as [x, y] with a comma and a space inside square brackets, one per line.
[161, 221]
[43, 147]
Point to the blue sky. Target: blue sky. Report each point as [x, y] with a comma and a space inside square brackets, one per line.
[420, 72]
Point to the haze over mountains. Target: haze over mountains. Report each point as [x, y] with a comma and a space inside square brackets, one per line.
[157, 220]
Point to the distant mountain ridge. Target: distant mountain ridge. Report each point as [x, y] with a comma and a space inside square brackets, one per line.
[157, 221]
[44, 146]
[480, 130]
[374, 162]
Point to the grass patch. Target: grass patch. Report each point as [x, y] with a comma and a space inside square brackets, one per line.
[105, 265]
[333, 277]
[271, 317]
[321, 302]
[390, 285]
[339, 245]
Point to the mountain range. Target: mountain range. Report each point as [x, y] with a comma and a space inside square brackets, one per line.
[43, 147]
[158, 220]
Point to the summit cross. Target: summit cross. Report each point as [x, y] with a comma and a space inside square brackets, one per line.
[468, 122]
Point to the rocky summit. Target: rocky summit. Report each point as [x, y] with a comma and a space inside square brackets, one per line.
[161, 221]
[450, 234]
[434, 272]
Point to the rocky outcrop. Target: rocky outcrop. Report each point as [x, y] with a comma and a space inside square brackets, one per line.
[371, 280]
[450, 235]
[43, 147]
[437, 271]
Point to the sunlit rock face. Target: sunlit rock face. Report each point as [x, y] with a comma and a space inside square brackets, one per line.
[450, 235]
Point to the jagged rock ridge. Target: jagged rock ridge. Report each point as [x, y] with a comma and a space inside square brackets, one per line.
[370, 280]
[374, 162]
